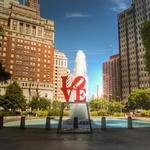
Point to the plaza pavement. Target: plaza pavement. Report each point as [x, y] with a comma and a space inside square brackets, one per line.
[41, 139]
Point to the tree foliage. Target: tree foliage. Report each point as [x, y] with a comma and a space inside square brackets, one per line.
[14, 98]
[38, 103]
[98, 104]
[4, 76]
[44, 104]
[34, 103]
[139, 99]
[102, 104]
[56, 104]
[145, 34]
[116, 106]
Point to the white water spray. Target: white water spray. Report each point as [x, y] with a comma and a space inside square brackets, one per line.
[80, 69]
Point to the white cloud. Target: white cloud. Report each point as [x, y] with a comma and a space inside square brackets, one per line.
[76, 15]
[119, 5]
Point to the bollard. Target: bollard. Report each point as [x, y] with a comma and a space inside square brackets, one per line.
[103, 123]
[129, 122]
[1, 122]
[48, 123]
[75, 123]
[22, 122]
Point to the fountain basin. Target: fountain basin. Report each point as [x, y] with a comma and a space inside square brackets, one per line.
[96, 123]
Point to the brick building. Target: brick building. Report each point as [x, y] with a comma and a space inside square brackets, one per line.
[111, 78]
[27, 48]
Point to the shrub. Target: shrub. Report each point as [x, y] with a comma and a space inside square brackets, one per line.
[42, 113]
[103, 112]
[54, 112]
[51, 113]
[9, 113]
[117, 114]
[25, 113]
[66, 113]
[33, 113]
[4, 113]
[145, 113]
[94, 113]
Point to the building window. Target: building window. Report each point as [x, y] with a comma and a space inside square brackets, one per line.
[4, 54]
[21, 27]
[12, 55]
[39, 31]
[34, 30]
[14, 25]
[13, 45]
[4, 49]
[11, 61]
[27, 29]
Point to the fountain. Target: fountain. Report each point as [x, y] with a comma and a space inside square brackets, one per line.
[80, 69]
[76, 100]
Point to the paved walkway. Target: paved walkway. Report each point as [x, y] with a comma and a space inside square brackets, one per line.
[40, 139]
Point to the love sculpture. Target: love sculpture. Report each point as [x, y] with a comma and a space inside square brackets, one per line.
[78, 85]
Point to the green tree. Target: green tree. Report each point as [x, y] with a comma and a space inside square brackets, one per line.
[44, 104]
[14, 98]
[139, 99]
[98, 104]
[4, 76]
[116, 106]
[34, 103]
[56, 104]
[94, 104]
[145, 34]
[55, 109]
[39, 103]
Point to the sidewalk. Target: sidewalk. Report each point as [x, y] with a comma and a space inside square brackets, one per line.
[40, 139]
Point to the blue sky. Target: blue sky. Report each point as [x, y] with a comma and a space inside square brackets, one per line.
[90, 25]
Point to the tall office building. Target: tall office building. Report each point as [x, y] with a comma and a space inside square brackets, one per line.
[111, 78]
[132, 52]
[60, 69]
[27, 48]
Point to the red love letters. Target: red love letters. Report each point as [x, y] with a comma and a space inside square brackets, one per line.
[78, 85]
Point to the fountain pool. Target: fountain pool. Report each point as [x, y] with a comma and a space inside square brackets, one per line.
[96, 123]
